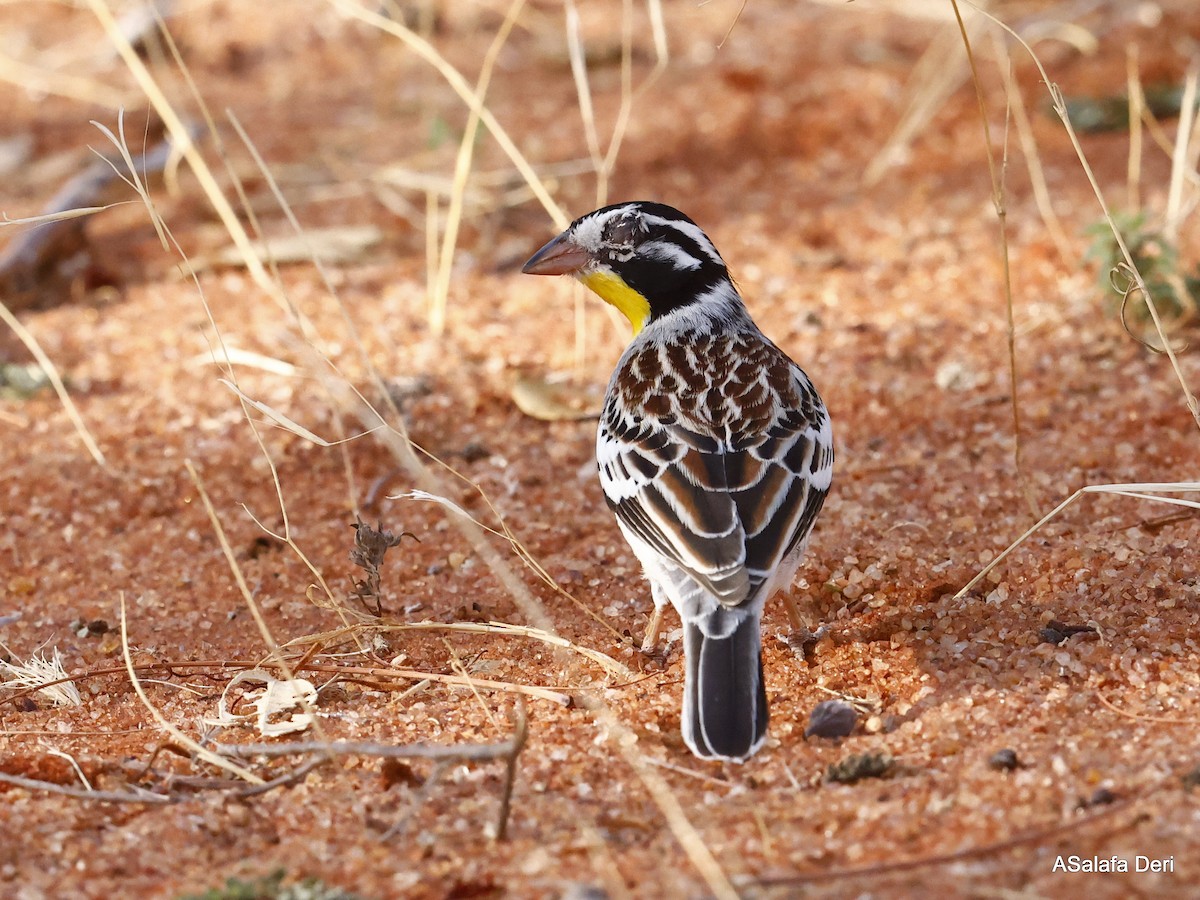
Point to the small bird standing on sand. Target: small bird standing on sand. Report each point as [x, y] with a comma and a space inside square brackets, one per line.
[714, 448]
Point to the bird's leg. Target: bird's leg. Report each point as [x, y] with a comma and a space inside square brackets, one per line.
[793, 614]
[650, 641]
[802, 638]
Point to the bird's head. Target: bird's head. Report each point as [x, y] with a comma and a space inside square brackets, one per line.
[646, 259]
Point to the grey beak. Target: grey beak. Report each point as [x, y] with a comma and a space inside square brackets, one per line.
[562, 256]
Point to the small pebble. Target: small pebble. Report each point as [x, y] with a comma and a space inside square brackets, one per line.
[1191, 779]
[1004, 760]
[1100, 797]
[831, 719]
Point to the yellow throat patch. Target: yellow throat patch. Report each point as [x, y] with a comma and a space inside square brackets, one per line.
[612, 289]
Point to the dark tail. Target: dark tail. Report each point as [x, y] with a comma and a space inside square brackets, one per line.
[724, 700]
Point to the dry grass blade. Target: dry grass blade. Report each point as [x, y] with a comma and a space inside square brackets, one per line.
[684, 832]
[180, 133]
[462, 171]
[369, 748]
[61, 754]
[336, 244]
[682, 829]
[252, 604]
[603, 162]
[519, 548]
[583, 91]
[502, 629]
[31, 261]
[1139, 717]
[194, 747]
[1136, 491]
[1060, 108]
[1181, 157]
[45, 675]
[25, 336]
[456, 81]
[66, 215]
[1033, 162]
[936, 76]
[284, 422]
[62, 84]
[999, 203]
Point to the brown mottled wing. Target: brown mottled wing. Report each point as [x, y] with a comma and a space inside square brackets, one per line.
[730, 489]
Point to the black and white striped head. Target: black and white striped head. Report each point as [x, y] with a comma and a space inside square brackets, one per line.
[646, 259]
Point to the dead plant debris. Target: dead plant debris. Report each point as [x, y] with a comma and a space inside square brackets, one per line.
[370, 546]
[859, 766]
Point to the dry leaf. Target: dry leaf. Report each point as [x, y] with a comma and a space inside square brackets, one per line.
[554, 401]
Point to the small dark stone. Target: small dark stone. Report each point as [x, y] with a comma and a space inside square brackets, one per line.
[859, 766]
[831, 719]
[262, 544]
[1100, 797]
[1056, 632]
[1004, 760]
[938, 591]
[473, 451]
[1191, 779]
[396, 771]
[1051, 636]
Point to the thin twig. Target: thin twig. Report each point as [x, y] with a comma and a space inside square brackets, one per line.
[1139, 717]
[283, 780]
[347, 673]
[147, 798]
[467, 752]
[510, 772]
[35, 349]
[401, 824]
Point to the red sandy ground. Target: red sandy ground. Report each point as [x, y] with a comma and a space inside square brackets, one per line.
[875, 289]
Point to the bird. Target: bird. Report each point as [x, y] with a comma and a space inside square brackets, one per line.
[714, 450]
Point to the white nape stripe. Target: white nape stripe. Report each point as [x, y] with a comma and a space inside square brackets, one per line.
[692, 231]
[672, 253]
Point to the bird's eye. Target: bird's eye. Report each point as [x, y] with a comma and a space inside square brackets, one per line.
[624, 232]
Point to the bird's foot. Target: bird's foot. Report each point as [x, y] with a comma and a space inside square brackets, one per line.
[656, 656]
[803, 640]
